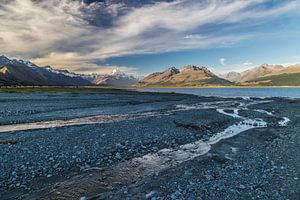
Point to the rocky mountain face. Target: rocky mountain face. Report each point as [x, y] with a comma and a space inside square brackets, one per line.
[20, 72]
[260, 71]
[187, 76]
[252, 74]
[159, 77]
[293, 69]
[232, 76]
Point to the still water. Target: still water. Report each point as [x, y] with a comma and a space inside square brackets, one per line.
[232, 92]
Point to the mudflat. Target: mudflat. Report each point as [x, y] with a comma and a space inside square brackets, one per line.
[119, 144]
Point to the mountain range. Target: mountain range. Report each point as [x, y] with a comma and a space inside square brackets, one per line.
[188, 76]
[267, 75]
[116, 78]
[20, 72]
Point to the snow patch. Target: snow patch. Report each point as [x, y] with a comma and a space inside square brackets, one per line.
[28, 63]
[61, 72]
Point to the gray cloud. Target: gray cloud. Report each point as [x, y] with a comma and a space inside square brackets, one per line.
[75, 34]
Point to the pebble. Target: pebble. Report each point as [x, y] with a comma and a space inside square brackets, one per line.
[125, 189]
[104, 154]
[151, 194]
[118, 156]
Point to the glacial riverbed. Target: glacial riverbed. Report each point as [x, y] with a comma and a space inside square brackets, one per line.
[147, 145]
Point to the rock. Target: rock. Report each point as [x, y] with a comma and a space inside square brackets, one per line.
[207, 177]
[8, 142]
[151, 194]
[118, 156]
[176, 195]
[125, 190]
[241, 186]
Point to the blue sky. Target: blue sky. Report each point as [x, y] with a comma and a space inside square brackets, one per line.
[238, 57]
[145, 36]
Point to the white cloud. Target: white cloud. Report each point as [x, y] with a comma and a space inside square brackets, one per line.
[59, 32]
[222, 61]
[247, 63]
[74, 62]
[105, 69]
[194, 36]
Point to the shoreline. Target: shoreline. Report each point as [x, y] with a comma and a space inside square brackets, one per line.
[101, 89]
[116, 87]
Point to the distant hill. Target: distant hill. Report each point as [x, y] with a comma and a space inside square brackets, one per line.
[188, 76]
[289, 70]
[267, 75]
[291, 79]
[252, 74]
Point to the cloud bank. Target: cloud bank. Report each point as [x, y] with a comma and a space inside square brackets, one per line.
[75, 34]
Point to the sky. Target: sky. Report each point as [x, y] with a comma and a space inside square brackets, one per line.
[144, 36]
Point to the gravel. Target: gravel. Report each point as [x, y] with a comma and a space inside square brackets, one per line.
[257, 164]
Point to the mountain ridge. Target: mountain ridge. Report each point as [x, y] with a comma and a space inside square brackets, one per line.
[189, 75]
[22, 72]
[264, 75]
[116, 78]
[19, 72]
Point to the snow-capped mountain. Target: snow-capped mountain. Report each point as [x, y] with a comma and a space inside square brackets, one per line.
[21, 72]
[115, 78]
